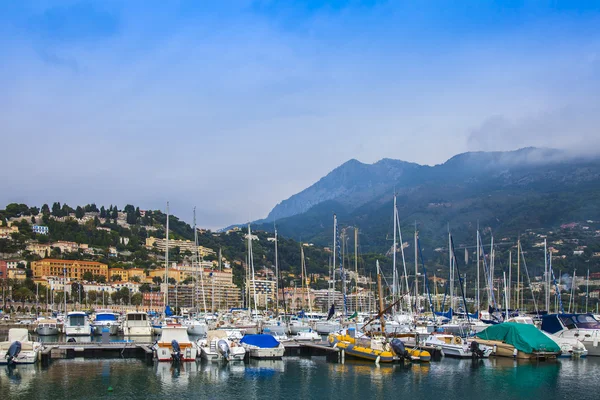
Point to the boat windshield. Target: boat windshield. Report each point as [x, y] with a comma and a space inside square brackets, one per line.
[585, 321]
[77, 320]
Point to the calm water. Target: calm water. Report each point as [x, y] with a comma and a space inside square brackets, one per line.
[305, 378]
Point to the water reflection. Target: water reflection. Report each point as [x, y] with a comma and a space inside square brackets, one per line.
[17, 378]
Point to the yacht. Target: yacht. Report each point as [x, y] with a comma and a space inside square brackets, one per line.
[573, 329]
[306, 335]
[137, 324]
[263, 346]
[46, 327]
[105, 320]
[77, 323]
[175, 344]
[455, 346]
[218, 347]
[18, 349]
[327, 327]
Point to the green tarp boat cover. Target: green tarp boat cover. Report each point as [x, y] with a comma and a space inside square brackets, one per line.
[524, 337]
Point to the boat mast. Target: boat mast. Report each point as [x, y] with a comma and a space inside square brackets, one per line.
[547, 294]
[403, 264]
[166, 264]
[199, 261]
[517, 295]
[195, 268]
[416, 270]
[509, 278]
[587, 290]
[380, 293]
[394, 271]
[276, 277]
[451, 260]
[252, 269]
[478, 304]
[356, 300]
[333, 250]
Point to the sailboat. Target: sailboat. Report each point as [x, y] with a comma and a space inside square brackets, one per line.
[330, 325]
[195, 325]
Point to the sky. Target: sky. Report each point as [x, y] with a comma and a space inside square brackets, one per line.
[233, 106]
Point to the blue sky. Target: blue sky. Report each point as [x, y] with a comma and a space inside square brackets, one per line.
[233, 106]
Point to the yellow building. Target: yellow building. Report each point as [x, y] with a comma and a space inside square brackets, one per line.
[136, 272]
[74, 268]
[173, 273]
[122, 273]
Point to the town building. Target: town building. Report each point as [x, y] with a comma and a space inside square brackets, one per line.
[40, 229]
[42, 250]
[262, 292]
[74, 269]
[161, 245]
[6, 231]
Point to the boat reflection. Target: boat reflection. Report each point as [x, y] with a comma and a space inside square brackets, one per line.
[17, 379]
[175, 375]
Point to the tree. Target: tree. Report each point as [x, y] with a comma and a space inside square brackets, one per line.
[88, 276]
[172, 281]
[79, 212]
[99, 278]
[115, 213]
[56, 209]
[23, 294]
[55, 253]
[136, 299]
[135, 279]
[145, 287]
[92, 295]
[34, 210]
[157, 280]
[45, 209]
[115, 278]
[102, 212]
[124, 294]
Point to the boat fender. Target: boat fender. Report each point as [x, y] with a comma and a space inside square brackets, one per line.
[377, 360]
[515, 351]
[457, 340]
[13, 351]
[495, 349]
[595, 341]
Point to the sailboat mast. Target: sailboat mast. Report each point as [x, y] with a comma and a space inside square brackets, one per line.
[509, 277]
[356, 300]
[416, 270]
[380, 293]
[252, 268]
[517, 295]
[547, 297]
[394, 271]
[195, 267]
[451, 260]
[276, 277]
[587, 290]
[167, 263]
[477, 288]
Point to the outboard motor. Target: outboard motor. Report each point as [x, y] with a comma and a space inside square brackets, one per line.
[398, 347]
[176, 354]
[223, 348]
[476, 352]
[13, 352]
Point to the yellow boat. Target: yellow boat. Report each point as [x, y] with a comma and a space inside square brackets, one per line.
[376, 349]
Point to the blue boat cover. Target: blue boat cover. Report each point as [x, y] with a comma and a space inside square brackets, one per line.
[168, 311]
[262, 341]
[106, 317]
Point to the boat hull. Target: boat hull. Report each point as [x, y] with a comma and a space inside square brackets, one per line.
[500, 349]
[113, 329]
[137, 331]
[47, 330]
[274, 353]
[78, 330]
[24, 357]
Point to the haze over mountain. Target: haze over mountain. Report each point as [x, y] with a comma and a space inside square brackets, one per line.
[506, 191]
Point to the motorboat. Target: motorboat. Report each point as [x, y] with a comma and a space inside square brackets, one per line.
[46, 327]
[455, 346]
[581, 327]
[137, 324]
[262, 346]
[306, 335]
[218, 347]
[18, 348]
[521, 341]
[277, 334]
[277, 326]
[196, 327]
[327, 327]
[77, 323]
[105, 321]
[175, 345]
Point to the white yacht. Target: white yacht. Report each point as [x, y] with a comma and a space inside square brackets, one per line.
[46, 327]
[175, 344]
[263, 346]
[137, 324]
[105, 320]
[218, 347]
[306, 335]
[77, 323]
[576, 334]
[325, 327]
[18, 349]
[455, 346]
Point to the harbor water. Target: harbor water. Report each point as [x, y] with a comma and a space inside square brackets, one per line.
[305, 378]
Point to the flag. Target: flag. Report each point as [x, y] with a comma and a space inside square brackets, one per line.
[331, 312]
[353, 315]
